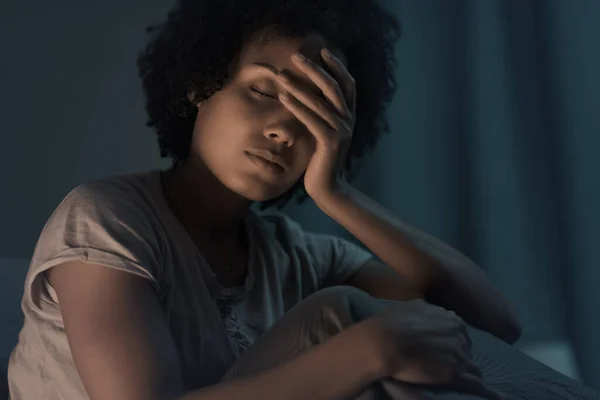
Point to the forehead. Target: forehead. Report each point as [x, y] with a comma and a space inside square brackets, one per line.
[278, 52]
[310, 45]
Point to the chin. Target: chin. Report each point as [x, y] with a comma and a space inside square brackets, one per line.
[257, 190]
[260, 196]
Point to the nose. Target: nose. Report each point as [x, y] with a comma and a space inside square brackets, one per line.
[284, 133]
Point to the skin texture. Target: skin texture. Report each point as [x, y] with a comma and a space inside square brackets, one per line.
[139, 361]
[245, 116]
[236, 120]
[310, 133]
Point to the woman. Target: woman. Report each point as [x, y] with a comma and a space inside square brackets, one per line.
[150, 286]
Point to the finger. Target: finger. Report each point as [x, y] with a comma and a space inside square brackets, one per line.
[471, 384]
[467, 342]
[473, 369]
[402, 390]
[311, 101]
[328, 85]
[442, 361]
[407, 393]
[426, 372]
[345, 79]
[467, 337]
[453, 315]
[461, 325]
[449, 348]
[319, 128]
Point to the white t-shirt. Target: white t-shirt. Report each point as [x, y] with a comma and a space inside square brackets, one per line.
[125, 223]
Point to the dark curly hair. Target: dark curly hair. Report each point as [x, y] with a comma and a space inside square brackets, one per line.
[197, 50]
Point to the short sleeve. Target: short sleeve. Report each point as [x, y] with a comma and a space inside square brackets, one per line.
[104, 223]
[331, 260]
[337, 259]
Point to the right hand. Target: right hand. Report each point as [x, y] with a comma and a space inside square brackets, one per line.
[424, 344]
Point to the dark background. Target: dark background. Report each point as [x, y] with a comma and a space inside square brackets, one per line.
[496, 131]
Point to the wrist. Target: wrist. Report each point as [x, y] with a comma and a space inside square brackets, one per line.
[333, 198]
[364, 338]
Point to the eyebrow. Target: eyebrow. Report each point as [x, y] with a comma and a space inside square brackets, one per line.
[267, 66]
[311, 86]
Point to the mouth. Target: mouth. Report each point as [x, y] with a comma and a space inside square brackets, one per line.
[267, 161]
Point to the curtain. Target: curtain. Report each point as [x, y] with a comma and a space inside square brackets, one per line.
[495, 135]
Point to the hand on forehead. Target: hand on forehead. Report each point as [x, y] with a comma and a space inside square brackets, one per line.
[275, 55]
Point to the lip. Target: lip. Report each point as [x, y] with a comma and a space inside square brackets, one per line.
[267, 160]
[265, 164]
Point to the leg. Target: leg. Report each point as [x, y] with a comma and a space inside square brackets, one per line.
[313, 321]
[518, 376]
[332, 310]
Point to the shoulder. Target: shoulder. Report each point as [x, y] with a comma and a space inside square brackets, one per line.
[113, 216]
[277, 222]
[105, 222]
[332, 258]
[126, 198]
[280, 228]
[290, 234]
[122, 189]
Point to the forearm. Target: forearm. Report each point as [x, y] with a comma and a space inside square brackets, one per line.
[452, 279]
[336, 369]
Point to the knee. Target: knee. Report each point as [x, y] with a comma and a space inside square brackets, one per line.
[336, 296]
[345, 304]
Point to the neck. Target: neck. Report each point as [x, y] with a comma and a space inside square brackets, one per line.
[207, 206]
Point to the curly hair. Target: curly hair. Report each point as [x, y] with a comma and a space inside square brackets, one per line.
[197, 50]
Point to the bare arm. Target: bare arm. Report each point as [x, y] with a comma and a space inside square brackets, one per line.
[337, 369]
[424, 265]
[123, 349]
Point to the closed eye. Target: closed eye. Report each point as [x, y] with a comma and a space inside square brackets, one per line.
[261, 94]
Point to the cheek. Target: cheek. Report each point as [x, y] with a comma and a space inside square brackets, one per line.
[304, 152]
[221, 123]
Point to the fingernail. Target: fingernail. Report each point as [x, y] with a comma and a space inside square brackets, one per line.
[282, 77]
[327, 53]
[299, 57]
